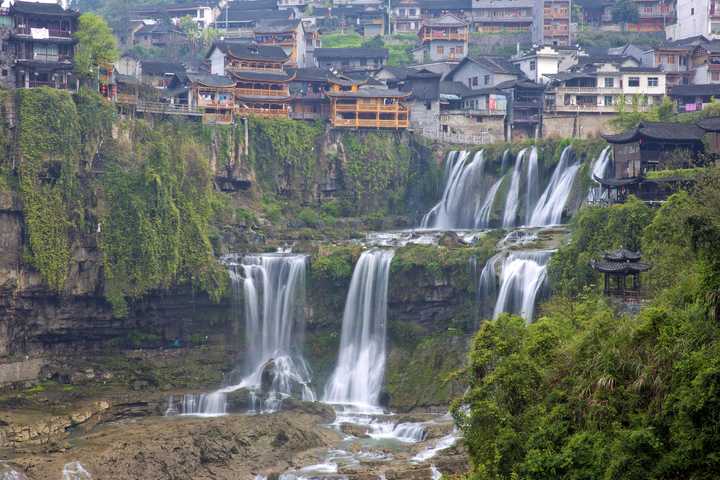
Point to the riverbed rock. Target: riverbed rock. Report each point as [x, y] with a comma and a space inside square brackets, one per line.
[322, 410]
[358, 431]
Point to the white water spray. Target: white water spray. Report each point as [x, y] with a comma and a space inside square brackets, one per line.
[513, 197]
[552, 203]
[522, 278]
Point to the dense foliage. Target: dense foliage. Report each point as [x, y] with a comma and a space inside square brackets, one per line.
[589, 393]
[96, 45]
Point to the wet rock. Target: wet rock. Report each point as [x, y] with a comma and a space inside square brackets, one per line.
[324, 411]
[355, 430]
[280, 439]
[450, 240]
[268, 376]
[239, 401]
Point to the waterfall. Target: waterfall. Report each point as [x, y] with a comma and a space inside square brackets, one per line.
[358, 375]
[270, 288]
[522, 278]
[8, 473]
[533, 184]
[599, 170]
[463, 181]
[513, 196]
[552, 203]
[483, 214]
[505, 161]
[486, 294]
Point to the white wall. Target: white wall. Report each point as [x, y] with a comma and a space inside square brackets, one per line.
[643, 89]
[217, 62]
[692, 19]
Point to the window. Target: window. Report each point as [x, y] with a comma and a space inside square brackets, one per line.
[475, 81]
[608, 100]
[715, 76]
[533, 65]
[634, 82]
[692, 11]
[487, 79]
[469, 82]
[683, 61]
[653, 81]
[440, 50]
[609, 82]
[671, 60]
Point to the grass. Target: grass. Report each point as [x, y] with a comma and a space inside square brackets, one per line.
[680, 172]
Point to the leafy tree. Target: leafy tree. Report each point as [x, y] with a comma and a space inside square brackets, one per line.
[375, 42]
[624, 12]
[96, 45]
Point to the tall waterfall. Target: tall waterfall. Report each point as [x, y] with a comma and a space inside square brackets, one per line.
[550, 206]
[533, 184]
[487, 287]
[513, 197]
[522, 279]
[360, 368]
[463, 181]
[271, 290]
[599, 170]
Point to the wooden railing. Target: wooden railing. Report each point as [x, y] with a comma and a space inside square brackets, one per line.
[214, 104]
[52, 32]
[218, 118]
[262, 92]
[364, 107]
[263, 112]
[167, 108]
[127, 98]
[429, 36]
[369, 123]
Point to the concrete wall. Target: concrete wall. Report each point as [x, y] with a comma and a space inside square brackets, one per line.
[560, 125]
[474, 126]
[20, 371]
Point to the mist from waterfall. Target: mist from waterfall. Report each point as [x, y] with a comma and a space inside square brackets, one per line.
[75, 471]
[269, 294]
[358, 376]
[550, 206]
[522, 279]
[463, 180]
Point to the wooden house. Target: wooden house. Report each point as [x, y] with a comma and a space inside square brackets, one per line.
[367, 107]
[214, 95]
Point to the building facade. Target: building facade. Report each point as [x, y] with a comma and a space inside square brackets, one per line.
[444, 38]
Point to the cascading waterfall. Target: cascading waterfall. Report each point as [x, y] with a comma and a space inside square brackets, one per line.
[513, 196]
[599, 170]
[463, 182]
[358, 375]
[487, 288]
[8, 473]
[483, 214]
[533, 184]
[271, 290]
[550, 206]
[522, 279]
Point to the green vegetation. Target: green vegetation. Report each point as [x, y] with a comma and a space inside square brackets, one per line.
[586, 392]
[335, 264]
[342, 40]
[48, 146]
[96, 45]
[158, 204]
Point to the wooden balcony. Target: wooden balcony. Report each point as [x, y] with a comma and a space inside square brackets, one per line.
[369, 123]
[370, 108]
[264, 112]
[52, 32]
[167, 109]
[429, 36]
[127, 98]
[228, 104]
[262, 92]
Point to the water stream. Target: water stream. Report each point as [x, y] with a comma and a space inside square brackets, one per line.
[550, 206]
[358, 376]
[522, 278]
[269, 293]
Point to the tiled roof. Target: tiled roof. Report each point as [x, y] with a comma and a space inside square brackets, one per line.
[262, 76]
[701, 90]
[38, 8]
[680, 132]
[249, 51]
[152, 67]
[218, 81]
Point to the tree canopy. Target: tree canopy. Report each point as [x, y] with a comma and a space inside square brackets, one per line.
[96, 44]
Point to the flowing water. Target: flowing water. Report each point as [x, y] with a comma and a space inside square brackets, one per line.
[358, 375]
[75, 471]
[269, 293]
[512, 200]
[521, 281]
[533, 184]
[600, 170]
[9, 473]
[463, 181]
[550, 206]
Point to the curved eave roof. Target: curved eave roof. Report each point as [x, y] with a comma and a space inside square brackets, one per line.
[617, 182]
[620, 268]
[262, 77]
[621, 255]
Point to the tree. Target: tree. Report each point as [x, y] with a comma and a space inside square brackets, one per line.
[96, 45]
[375, 42]
[624, 12]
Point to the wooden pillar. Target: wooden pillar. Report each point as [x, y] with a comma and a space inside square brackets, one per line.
[607, 283]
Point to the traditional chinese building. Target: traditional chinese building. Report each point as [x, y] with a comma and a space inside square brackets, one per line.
[41, 45]
[261, 83]
[443, 38]
[367, 107]
[286, 34]
[214, 95]
[617, 266]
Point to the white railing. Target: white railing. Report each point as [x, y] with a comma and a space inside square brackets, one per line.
[483, 138]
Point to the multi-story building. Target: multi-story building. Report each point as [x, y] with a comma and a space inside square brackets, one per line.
[552, 22]
[239, 18]
[483, 72]
[202, 13]
[675, 58]
[38, 48]
[443, 38]
[539, 64]
[262, 84]
[214, 95]
[502, 16]
[367, 107]
[653, 16]
[695, 18]
[604, 87]
[286, 34]
[406, 16]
